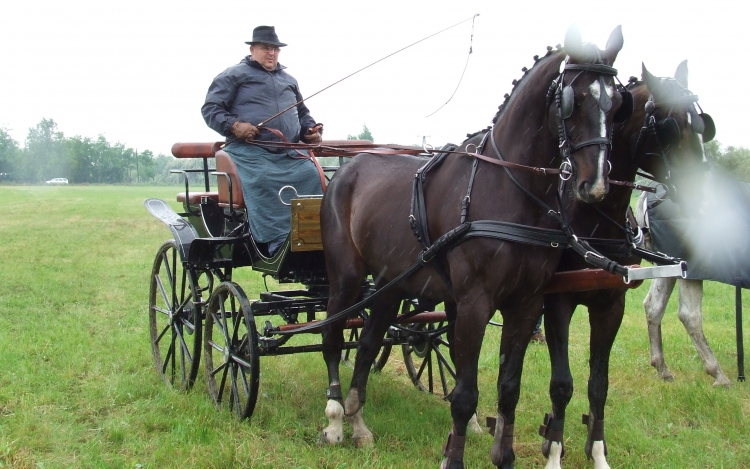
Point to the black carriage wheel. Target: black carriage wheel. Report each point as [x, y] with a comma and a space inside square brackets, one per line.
[175, 320]
[347, 356]
[427, 357]
[231, 350]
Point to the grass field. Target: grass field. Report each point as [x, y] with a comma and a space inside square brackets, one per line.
[78, 387]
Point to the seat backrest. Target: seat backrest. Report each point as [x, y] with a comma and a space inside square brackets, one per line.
[225, 164]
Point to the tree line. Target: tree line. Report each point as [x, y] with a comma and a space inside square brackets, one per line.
[47, 153]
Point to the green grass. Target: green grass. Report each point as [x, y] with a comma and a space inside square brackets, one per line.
[78, 387]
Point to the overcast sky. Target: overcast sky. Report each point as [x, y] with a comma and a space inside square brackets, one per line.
[137, 72]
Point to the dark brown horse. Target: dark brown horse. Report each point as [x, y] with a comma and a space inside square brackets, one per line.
[662, 137]
[365, 221]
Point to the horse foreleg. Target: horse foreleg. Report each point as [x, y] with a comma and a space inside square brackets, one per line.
[473, 314]
[558, 310]
[605, 320]
[655, 304]
[450, 312]
[518, 326]
[689, 310]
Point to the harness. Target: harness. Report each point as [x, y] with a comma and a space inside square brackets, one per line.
[506, 231]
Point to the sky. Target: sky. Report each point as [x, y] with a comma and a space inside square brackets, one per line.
[137, 72]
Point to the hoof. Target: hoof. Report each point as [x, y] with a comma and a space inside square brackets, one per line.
[329, 437]
[333, 434]
[364, 441]
[666, 376]
[598, 454]
[553, 451]
[722, 381]
[451, 464]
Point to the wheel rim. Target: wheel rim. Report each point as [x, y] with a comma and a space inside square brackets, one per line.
[174, 318]
[427, 358]
[231, 351]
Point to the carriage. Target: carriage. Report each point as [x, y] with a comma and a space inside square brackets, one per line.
[197, 311]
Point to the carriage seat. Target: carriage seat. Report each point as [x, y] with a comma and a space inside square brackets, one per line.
[225, 164]
[195, 197]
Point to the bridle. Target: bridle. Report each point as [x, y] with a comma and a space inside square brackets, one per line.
[565, 101]
[667, 131]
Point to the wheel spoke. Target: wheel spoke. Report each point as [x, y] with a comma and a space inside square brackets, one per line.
[428, 359]
[444, 361]
[183, 344]
[161, 336]
[164, 294]
[235, 391]
[218, 369]
[170, 351]
[216, 346]
[220, 394]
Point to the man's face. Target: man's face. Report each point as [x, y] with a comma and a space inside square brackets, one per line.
[266, 55]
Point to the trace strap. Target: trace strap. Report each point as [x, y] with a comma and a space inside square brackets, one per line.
[424, 258]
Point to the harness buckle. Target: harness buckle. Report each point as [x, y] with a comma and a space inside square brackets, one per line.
[566, 170]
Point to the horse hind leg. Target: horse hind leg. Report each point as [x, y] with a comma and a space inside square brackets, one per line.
[690, 313]
[655, 304]
[382, 315]
[344, 292]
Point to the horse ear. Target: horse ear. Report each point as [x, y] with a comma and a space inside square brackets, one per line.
[573, 42]
[681, 75]
[615, 42]
[648, 77]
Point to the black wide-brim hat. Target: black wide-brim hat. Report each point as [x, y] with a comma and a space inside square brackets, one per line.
[266, 35]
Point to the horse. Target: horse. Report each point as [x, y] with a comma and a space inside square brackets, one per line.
[689, 311]
[662, 138]
[485, 240]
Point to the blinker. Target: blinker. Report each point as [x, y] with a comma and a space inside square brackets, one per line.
[626, 108]
[709, 131]
[567, 102]
[696, 122]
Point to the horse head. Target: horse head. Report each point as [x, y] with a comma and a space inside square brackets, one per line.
[588, 102]
[674, 129]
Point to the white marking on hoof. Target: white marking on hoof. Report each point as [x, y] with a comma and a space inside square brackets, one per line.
[473, 425]
[334, 433]
[496, 452]
[444, 463]
[597, 453]
[362, 436]
[555, 456]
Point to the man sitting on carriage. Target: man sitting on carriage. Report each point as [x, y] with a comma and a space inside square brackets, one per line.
[238, 100]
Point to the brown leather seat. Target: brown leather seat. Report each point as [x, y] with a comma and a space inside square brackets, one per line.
[225, 164]
[195, 197]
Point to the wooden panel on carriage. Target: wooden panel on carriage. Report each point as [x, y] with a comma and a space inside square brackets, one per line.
[306, 225]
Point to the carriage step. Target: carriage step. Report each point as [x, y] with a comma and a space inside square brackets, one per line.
[184, 233]
[659, 271]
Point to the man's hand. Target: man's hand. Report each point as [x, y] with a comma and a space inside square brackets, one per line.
[245, 130]
[314, 134]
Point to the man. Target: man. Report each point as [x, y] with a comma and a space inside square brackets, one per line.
[238, 100]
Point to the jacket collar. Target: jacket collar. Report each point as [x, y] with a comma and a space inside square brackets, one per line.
[248, 60]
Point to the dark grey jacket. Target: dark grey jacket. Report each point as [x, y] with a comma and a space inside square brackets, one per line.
[249, 93]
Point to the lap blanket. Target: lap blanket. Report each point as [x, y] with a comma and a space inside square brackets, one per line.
[712, 235]
[263, 173]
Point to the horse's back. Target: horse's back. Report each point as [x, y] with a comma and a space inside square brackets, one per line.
[367, 205]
